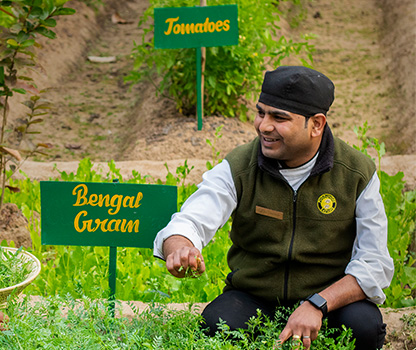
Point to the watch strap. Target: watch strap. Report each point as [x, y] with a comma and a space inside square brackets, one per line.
[319, 302]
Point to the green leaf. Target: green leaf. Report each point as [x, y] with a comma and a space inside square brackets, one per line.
[49, 5]
[63, 11]
[12, 43]
[35, 98]
[1, 76]
[36, 12]
[45, 15]
[22, 77]
[46, 32]
[410, 273]
[50, 22]
[43, 106]
[36, 121]
[27, 43]
[20, 91]
[22, 36]
[211, 81]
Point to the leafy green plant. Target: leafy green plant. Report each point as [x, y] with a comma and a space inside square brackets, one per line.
[184, 191]
[65, 323]
[215, 153]
[369, 142]
[13, 270]
[232, 73]
[27, 19]
[400, 209]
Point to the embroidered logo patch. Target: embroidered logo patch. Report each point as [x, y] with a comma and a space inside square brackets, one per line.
[327, 203]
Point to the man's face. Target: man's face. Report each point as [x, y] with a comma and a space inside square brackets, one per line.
[284, 135]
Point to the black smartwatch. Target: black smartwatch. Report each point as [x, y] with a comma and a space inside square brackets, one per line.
[319, 302]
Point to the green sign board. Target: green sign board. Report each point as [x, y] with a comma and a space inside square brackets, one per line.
[105, 214]
[187, 27]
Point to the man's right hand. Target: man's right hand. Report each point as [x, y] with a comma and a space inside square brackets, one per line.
[181, 256]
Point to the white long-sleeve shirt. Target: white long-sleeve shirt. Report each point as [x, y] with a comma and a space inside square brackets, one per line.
[210, 207]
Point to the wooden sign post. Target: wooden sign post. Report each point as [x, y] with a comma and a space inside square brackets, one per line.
[196, 27]
[105, 214]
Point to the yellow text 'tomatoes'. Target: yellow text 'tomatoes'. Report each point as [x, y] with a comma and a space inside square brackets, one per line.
[192, 28]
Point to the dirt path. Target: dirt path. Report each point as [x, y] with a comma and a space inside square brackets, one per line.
[93, 107]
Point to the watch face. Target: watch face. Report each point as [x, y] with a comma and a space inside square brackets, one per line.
[317, 300]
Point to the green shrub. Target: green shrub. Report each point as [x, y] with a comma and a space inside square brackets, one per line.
[232, 73]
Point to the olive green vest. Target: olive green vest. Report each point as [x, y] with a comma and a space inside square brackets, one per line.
[287, 245]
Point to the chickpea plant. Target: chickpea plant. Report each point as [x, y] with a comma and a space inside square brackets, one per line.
[67, 323]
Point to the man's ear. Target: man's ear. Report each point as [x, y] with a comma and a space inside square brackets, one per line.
[318, 122]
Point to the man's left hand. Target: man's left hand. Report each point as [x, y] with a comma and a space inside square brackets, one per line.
[304, 324]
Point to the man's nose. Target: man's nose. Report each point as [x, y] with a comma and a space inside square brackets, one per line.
[266, 124]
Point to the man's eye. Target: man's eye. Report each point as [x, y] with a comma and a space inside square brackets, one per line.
[280, 118]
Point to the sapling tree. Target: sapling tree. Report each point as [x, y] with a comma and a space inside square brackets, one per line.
[22, 23]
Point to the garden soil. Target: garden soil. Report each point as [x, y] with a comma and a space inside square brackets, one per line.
[366, 47]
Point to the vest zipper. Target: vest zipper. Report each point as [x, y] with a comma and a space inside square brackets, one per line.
[289, 257]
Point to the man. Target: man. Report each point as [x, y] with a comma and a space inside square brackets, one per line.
[308, 220]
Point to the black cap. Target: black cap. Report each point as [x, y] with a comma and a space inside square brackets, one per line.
[297, 89]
